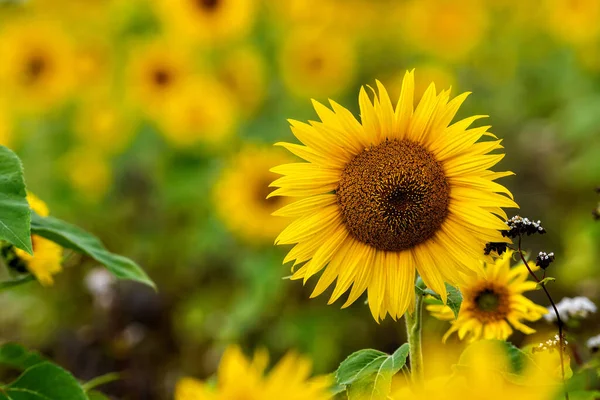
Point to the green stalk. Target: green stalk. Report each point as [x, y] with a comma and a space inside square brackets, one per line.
[413, 331]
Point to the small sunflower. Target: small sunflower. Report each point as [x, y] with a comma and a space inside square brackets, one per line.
[248, 213]
[243, 72]
[492, 303]
[401, 192]
[316, 63]
[202, 113]
[47, 255]
[449, 29]
[208, 21]
[240, 378]
[39, 74]
[88, 171]
[158, 72]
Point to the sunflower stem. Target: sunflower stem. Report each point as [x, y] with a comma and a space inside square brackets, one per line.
[413, 332]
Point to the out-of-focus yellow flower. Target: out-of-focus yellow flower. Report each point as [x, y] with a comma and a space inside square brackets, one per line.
[492, 303]
[47, 255]
[6, 126]
[248, 212]
[449, 29]
[37, 64]
[317, 63]
[208, 21]
[158, 71]
[93, 65]
[441, 75]
[484, 371]
[243, 73]
[103, 124]
[88, 171]
[574, 21]
[203, 113]
[240, 378]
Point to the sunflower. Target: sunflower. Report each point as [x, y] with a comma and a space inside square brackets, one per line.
[208, 21]
[243, 72]
[157, 71]
[39, 74]
[240, 378]
[248, 213]
[449, 29]
[47, 255]
[492, 303]
[316, 63]
[443, 76]
[202, 113]
[399, 192]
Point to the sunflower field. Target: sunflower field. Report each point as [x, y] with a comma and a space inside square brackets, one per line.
[299, 199]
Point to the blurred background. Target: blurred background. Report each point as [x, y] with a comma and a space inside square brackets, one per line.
[151, 123]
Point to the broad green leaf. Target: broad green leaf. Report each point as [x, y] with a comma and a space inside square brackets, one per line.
[454, 297]
[72, 237]
[15, 214]
[16, 356]
[44, 381]
[367, 374]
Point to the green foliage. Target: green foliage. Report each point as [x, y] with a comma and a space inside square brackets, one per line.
[583, 395]
[43, 381]
[18, 357]
[15, 214]
[72, 237]
[367, 374]
[454, 296]
[95, 395]
[544, 281]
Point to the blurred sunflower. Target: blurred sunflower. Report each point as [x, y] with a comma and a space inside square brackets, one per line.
[441, 75]
[103, 124]
[243, 73]
[157, 72]
[399, 192]
[574, 21]
[203, 113]
[209, 21]
[481, 373]
[6, 126]
[315, 63]
[88, 171]
[239, 378]
[248, 213]
[40, 72]
[47, 256]
[492, 303]
[449, 29]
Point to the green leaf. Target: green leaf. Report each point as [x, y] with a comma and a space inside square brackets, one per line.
[16, 282]
[44, 381]
[367, 374]
[15, 214]
[584, 395]
[72, 237]
[16, 356]
[454, 299]
[544, 282]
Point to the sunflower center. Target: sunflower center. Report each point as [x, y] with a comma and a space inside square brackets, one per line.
[208, 5]
[34, 68]
[393, 196]
[161, 77]
[487, 300]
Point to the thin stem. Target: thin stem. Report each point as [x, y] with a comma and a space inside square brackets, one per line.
[101, 380]
[561, 339]
[413, 331]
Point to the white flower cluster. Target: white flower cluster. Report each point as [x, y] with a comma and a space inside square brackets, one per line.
[549, 344]
[576, 307]
[593, 342]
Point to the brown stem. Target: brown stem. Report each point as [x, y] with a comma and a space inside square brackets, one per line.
[559, 322]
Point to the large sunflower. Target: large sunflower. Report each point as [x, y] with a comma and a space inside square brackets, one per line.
[492, 303]
[398, 193]
[240, 378]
